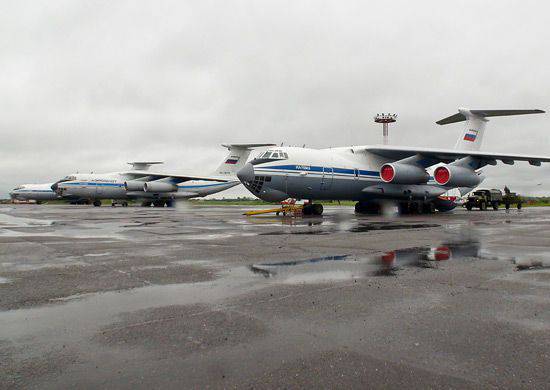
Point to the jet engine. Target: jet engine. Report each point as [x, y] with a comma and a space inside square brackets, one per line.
[456, 176]
[403, 174]
[159, 186]
[133, 185]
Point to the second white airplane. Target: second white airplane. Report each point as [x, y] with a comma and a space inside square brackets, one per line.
[155, 188]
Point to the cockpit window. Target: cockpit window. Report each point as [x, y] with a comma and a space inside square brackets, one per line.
[69, 178]
[273, 155]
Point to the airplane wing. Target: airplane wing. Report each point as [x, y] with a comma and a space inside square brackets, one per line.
[178, 178]
[434, 156]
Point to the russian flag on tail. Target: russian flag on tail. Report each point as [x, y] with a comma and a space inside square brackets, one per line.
[232, 160]
[470, 135]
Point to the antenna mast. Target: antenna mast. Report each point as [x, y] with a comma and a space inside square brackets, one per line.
[385, 119]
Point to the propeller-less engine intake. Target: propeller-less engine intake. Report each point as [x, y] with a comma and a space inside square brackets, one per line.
[403, 174]
[133, 185]
[159, 186]
[456, 176]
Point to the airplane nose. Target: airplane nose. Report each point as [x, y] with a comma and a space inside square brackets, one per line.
[246, 173]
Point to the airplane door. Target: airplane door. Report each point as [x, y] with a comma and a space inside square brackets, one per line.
[326, 179]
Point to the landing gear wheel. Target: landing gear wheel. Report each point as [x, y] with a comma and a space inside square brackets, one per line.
[367, 208]
[97, 203]
[414, 208]
[312, 209]
[469, 206]
[403, 208]
[158, 203]
[520, 206]
[495, 206]
[317, 209]
[170, 203]
[507, 206]
[124, 204]
[146, 203]
[428, 208]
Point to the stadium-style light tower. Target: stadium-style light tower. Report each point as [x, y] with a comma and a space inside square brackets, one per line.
[385, 119]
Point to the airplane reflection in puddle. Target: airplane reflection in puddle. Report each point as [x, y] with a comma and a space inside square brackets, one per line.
[349, 267]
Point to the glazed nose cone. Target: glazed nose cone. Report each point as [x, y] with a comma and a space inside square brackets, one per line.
[246, 173]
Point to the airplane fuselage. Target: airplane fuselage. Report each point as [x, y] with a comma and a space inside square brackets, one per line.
[344, 173]
[112, 186]
[38, 192]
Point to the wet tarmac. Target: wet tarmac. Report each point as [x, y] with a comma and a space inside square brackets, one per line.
[198, 297]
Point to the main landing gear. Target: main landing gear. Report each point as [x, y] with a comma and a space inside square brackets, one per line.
[312, 209]
[97, 203]
[367, 208]
[158, 203]
[416, 208]
[123, 204]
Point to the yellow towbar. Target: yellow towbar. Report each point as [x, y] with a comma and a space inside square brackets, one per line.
[285, 209]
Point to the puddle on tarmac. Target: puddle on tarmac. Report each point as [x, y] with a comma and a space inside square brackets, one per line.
[304, 232]
[391, 263]
[206, 263]
[318, 228]
[38, 265]
[533, 262]
[139, 224]
[10, 221]
[367, 227]
[342, 267]
[97, 254]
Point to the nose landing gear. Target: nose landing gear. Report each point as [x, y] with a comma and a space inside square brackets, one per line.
[312, 209]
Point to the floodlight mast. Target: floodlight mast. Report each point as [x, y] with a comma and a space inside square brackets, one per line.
[385, 119]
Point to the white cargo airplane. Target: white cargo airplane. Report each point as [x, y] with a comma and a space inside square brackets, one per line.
[36, 192]
[372, 175]
[155, 188]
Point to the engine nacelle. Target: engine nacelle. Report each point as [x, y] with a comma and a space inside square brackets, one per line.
[159, 186]
[403, 174]
[455, 176]
[133, 185]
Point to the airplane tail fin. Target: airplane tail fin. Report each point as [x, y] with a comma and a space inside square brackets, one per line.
[472, 136]
[236, 158]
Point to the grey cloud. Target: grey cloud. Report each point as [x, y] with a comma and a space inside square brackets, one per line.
[90, 85]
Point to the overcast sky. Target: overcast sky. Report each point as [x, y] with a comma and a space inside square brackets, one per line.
[90, 85]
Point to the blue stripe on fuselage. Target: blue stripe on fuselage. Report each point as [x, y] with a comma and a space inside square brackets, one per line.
[308, 168]
[122, 184]
[205, 185]
[23, 191]
[93, 184]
